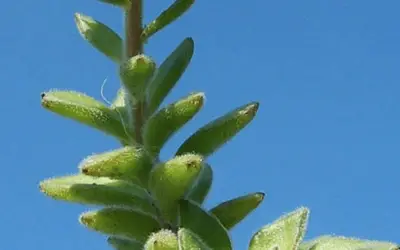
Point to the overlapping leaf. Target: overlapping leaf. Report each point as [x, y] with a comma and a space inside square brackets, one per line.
[100, 36]
[231, 212]
[169, 73]
[119, 221]
[218, 132]
[86, 110]
[285, 233]
[119, 243]
[162, 240]
[166, 122]
[199, 191]
[205, 225]
[190, 241]
[97, 191]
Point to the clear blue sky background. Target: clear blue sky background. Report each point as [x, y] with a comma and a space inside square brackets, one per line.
[326, 135]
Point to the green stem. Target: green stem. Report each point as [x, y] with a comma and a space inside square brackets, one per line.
[134, 46]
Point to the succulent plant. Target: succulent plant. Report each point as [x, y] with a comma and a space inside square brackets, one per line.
[149, 203]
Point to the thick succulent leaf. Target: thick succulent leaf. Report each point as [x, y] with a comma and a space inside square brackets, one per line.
[120, 3]
[190, 241]
[130, 163]
[218, 132]
[123, 105]
[166, 122]
[162, 240]
[231, 212]
[86, 110]
[170, 181]
[176, 10]
[169, 73]
[97, 191]
[120, 221]
[285, 233]
[203, 224]
[119, 243]
[101, 37]
[135, 74]
[328, 242]
[199, 191]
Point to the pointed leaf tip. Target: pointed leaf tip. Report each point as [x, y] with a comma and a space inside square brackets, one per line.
[231, 212]
[215, 134]
[175, 11]
[100, 36]
[285, 233]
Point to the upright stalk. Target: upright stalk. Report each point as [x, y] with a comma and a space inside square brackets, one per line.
[134, 46]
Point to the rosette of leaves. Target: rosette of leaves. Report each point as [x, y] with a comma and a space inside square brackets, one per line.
[146, 202]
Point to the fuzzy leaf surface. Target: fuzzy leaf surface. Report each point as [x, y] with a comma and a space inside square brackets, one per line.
[285, 233]
[166, 122]
[119, 221]
[135, 74]
[170, 181]
[86, 110]
[162, 240]
[327, 242]
[203, 224]
[130, 163]
[119, 243]
[231, 212]
[176, 10]
[169, 73]
[97, 191]
[100, 36]
[218, 132]
[190, 241]
[199, 191]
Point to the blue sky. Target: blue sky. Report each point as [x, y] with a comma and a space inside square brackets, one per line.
[326, 135]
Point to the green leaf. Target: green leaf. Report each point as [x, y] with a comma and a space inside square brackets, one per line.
[285, 233]
[97, 191]
[190, 241]
[162, 240]
[327, 242]
[176, 10]
[169, 73]
[119, 3]
[118, 221]
[218, 132]
[203, 224]
[123, 106]
[231, 212]
[166, 122]
[199, 191]
[170, 181]
[130, 163]
[135, 74]
[86, 110]
[101, 37]
[119, 243]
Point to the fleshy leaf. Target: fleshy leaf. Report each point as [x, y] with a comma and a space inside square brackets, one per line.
[176, 10]
[166, 122]
[135, 73]
[218, 132]
[119, 243]
[231, 212]
[86, 110]
[100, 36]
[119, 3]
[169, 73]
[97, 191]
[170, 181]
[130, 163]
[285, 233]
[203, 224]
[327, 242]
[190, 241]
[119, 221]
[199, 191]
[162, 240]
